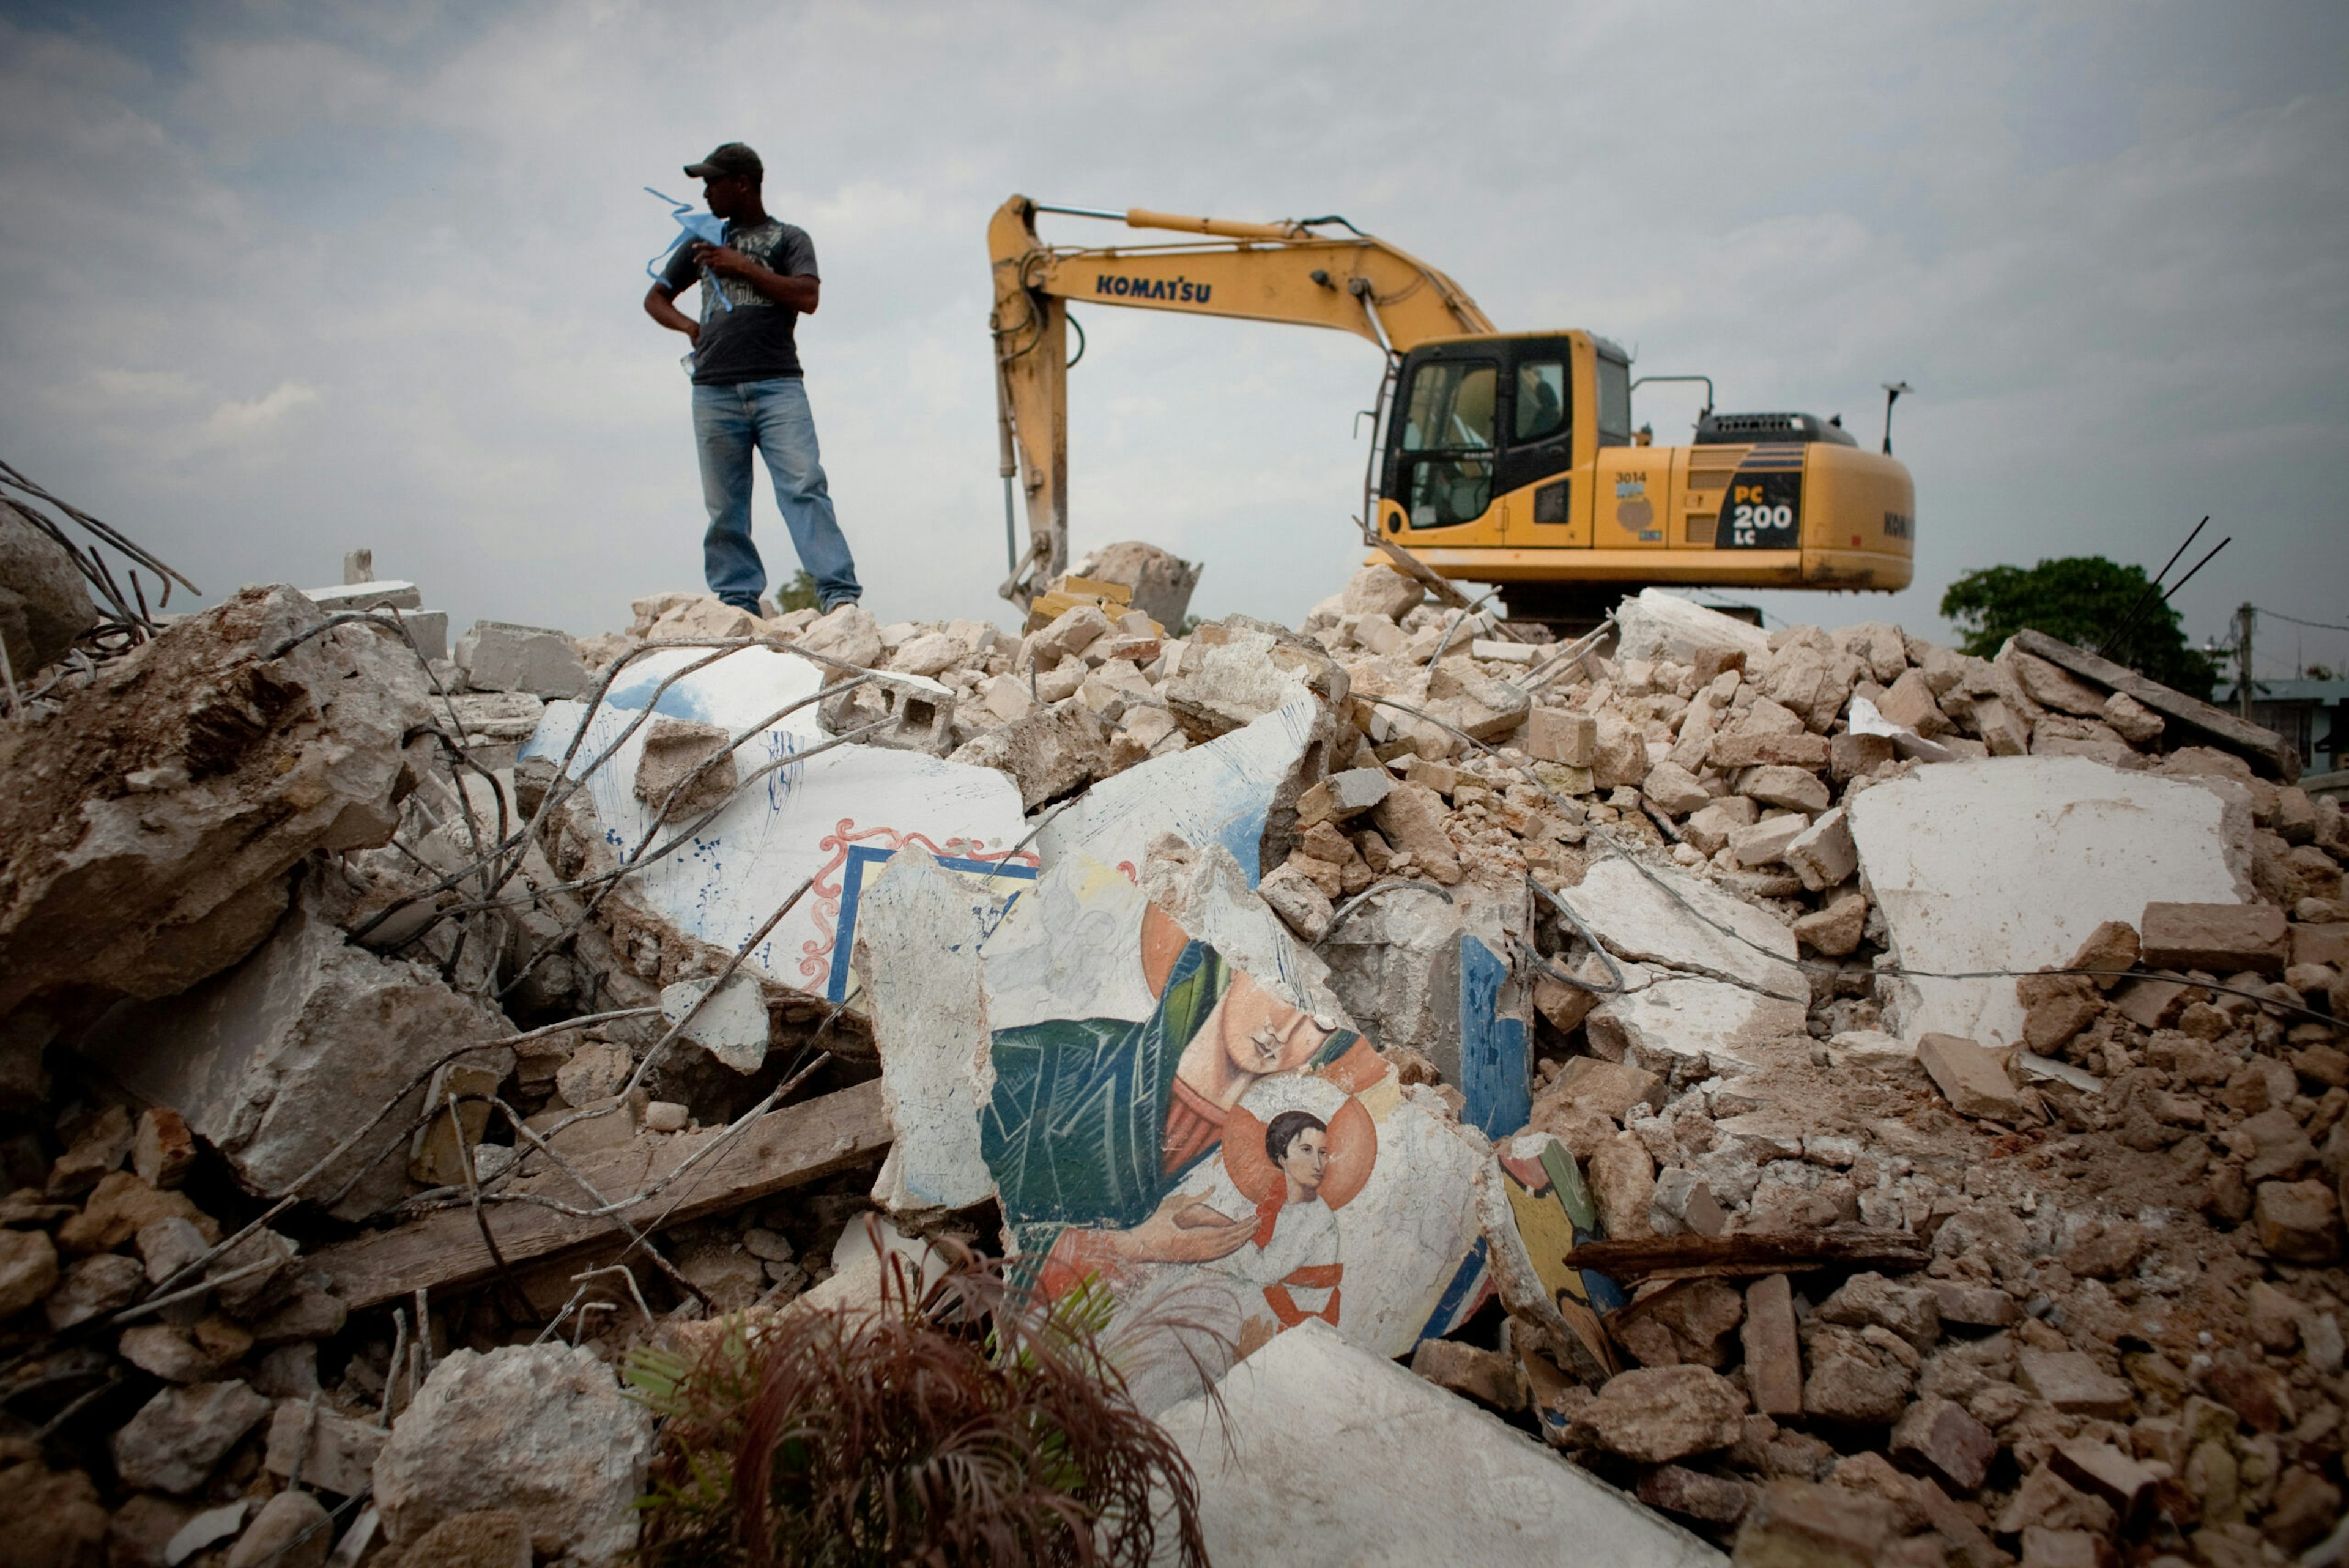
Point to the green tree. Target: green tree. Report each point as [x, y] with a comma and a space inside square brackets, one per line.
[799, 595]
[2084, 600]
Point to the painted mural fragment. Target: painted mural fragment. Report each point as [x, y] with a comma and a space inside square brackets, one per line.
[1219, 1163]
[1537, 1210]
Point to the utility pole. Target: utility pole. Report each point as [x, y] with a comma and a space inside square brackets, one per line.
[2244, 615]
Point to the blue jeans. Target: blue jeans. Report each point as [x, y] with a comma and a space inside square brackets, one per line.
[771, 418]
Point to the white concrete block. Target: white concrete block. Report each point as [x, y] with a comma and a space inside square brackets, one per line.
[363, 595]
[1330, 1454]
[2011, 861]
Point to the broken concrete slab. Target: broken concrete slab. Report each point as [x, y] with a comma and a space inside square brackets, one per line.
[1661, 916]
[278, 1060]
[1943, 850]
[543, 1430]
[831, 818]
[1663, 1017]
[1656, 625]
[1410, 967]
[1222, 792]
[250, 762]
[497, 655]
[1456, 1483]
[919, 944]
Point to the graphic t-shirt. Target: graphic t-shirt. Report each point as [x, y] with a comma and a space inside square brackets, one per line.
[753, 341]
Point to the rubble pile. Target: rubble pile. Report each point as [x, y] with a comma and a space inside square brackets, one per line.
[1858, 1102]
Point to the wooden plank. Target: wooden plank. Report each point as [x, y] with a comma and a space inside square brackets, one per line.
[785, 1148]
[1751, 1252]
[2264, 749]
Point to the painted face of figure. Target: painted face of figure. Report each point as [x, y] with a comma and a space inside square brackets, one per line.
[1308, 1158]
[1261, 1033]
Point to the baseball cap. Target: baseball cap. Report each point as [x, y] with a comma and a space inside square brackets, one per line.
[733, 158]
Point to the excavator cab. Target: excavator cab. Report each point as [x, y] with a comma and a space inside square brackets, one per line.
[1487, 434]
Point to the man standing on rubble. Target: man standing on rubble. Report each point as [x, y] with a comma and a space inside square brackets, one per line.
[748, 391]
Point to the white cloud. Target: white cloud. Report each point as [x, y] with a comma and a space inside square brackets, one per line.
[322, 278]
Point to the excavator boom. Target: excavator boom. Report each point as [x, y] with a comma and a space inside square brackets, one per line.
[1506, 458]
[1256, 272]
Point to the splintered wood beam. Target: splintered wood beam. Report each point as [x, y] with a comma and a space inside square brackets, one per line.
[1751, 1252]
[784, 1148]
[2264, 749]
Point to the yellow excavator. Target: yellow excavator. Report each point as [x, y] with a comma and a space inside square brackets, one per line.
[1500, 457]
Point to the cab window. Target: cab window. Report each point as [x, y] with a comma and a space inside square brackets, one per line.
[1541, 400]
[1614, 403]
[1450, 408]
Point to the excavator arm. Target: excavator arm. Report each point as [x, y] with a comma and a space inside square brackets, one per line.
[1283, 272]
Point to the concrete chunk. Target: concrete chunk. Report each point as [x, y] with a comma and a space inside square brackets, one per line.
[45, 604]
[279, 1059]
[1774, 1351]
[1381, 591]
[1657, 1414]
[1343, 796]
[1972, 1077]
[1771, 748]
[176, 1439]
[543, 1430]
[498, 657]
[252, 764]
[337, 1453]
[2071, 1382]
[1767, 840]
[1052, 752]
[693, 761]
[1553, 736]
[1823, 854]
[1657, 625]
[1939, 1438]
[2221, 938]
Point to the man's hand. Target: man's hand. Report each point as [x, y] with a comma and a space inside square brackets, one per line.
[660, 304]
[796, 291]
[726, 261]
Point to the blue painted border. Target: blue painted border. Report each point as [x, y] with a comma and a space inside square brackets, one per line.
[852, 886]
[1463, 1289]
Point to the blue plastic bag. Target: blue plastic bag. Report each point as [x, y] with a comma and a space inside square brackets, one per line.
[706, 227]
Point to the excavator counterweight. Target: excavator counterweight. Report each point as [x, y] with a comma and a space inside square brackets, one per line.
[1500, 457]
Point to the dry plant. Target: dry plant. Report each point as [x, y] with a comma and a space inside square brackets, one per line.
[959, 1421]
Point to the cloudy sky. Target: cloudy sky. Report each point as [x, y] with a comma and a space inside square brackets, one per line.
[279, 279]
